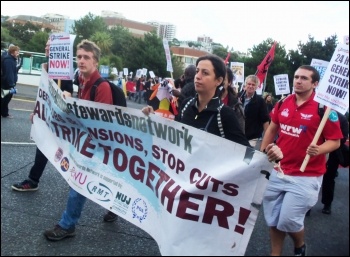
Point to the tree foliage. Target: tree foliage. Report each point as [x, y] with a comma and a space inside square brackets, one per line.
[38, 42]
[88, 25]
[103, 40]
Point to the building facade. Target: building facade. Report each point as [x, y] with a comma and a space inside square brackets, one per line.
[38, 21]
[164, 30]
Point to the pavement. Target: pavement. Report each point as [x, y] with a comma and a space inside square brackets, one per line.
[26, 215]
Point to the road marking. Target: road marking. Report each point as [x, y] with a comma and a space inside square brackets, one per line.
[24, 100]
[25, 110]
[17, 143]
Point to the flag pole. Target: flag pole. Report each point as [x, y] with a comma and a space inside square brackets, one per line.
[264, 84]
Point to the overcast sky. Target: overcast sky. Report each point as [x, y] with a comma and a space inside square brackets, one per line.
[240, 25]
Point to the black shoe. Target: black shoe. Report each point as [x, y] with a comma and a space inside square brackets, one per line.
[300, 251]
[58, 233]
[110, 217]
[308, 213]
[327, 209]
[25, 186]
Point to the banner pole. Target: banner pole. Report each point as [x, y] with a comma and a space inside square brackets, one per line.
[316, 137]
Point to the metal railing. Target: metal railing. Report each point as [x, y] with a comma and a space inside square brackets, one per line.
[31, 62]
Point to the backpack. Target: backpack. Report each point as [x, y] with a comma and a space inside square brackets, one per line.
[3, 55]
[117, 93]
[218, 117]
[239, 112]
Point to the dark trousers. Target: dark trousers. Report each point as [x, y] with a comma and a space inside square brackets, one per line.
[328, 183]
[39, 165]
[5, 105]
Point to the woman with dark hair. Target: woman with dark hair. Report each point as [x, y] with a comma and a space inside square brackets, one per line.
[269, 103]
[203, 110]
[230, 98]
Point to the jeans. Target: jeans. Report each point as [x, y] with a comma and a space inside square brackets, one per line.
[75, 205]
[139, 96]
[38, 168]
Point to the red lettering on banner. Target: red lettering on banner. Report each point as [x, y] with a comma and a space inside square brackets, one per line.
[59, 64]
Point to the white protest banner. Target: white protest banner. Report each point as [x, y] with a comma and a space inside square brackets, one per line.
[169, 65]
[126, 71]
[320, 66]
[158, 174]
[281, 84]
[151, 73]
[238, 70]
[333, 89]
[61, 56]
[120, 74]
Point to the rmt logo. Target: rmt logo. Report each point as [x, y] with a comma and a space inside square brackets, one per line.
[100, 191]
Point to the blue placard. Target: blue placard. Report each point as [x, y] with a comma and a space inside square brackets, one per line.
[104, 71]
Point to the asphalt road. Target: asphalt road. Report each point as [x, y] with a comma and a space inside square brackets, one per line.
[25, 215]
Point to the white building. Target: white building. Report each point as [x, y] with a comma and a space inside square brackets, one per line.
[57, 20]
[112, 14]
[164, 30]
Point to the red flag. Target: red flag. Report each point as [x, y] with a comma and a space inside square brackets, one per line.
[227, 57]
[264, 65]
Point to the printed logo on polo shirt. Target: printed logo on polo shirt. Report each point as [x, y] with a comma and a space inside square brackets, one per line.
[292, 131]
[333, 116]
[285, 113]
[305, 116]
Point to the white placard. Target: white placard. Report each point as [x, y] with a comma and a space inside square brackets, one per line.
[144, 71]
[281, 84]
[238, 70]
[126, 71]
[333, 89]
[61, 56]
[151, 73]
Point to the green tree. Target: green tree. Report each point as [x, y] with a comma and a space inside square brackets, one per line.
[88, 25]
[22, 33]
[312, 49]
[222, 52]
[6, 38]
[103, 40]
[153, 54]
[37, 42]
[279, 64]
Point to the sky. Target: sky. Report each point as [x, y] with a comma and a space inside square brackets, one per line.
[238, 25]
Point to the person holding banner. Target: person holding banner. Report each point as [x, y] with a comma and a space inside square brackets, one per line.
[88, 56]
[40, 160]
[290, 193]
[202, 110]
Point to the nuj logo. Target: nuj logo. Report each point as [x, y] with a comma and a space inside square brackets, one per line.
[123, 198]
